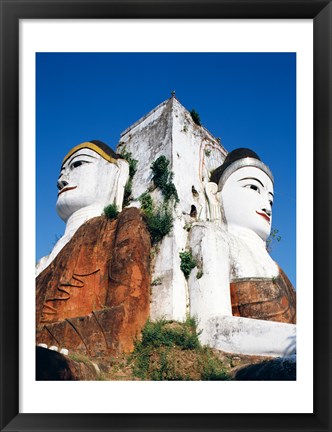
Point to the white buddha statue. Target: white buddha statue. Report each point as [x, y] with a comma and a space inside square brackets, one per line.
[92, 176]
[243, 301]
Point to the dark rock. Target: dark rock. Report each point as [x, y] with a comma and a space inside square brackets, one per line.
[279, 369]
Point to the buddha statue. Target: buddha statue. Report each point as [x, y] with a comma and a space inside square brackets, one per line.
[92, 292]
[243, 301]
[92, 176]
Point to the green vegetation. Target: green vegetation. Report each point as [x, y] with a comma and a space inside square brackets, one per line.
[159, 219]
[111, 211]
[273, 239]
[187, 263]
[162, 178]
[79, 358]
[195, 116]
[213, 369]
[171, 351]
[207, 152]
[199, 274]
[157, 281]
[132, 163]
[132, 171]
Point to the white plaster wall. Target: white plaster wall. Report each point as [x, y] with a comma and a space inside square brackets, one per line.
[190, 161]
[147, 139]
[169, 130]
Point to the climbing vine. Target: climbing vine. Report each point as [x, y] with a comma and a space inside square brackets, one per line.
[159, 219]
[273, 239]
[187, 263]
[132, 171]
[163, 178]
[195, 116]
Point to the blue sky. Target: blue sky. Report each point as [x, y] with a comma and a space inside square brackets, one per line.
[246, 99]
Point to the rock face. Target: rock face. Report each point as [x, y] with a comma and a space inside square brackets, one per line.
[281, 369]
[53, 366]
[94, 296]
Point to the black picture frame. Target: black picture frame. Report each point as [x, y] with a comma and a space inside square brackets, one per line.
[14, 10]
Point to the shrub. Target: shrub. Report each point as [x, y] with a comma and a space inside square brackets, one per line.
[213, 369]
[158, 220]
[171, 351]
[187, 263]
[195, 116]
[162, 178]
[111, 211]
[159, 337]
[169, 333]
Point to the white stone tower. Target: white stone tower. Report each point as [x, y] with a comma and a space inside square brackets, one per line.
[193, 153]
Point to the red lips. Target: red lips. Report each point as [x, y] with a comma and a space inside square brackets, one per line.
[265, 216]
[65, 189]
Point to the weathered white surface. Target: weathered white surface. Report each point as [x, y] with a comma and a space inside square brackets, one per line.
[248, 255]
[84, 191]
[192, 151]
[249, 336]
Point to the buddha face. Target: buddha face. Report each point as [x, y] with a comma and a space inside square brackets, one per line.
[247, 198]
[85, 179]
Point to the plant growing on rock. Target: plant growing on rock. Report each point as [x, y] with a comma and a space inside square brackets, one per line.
[187, 263]
[169, 350]
[163, 178]
[111, 211]
[195, 116]
[132, 171]
[159, 219]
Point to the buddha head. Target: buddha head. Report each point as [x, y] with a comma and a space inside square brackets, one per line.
[92, 175]
[245, 190]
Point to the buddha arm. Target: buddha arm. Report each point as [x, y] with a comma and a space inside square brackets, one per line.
[209, 294]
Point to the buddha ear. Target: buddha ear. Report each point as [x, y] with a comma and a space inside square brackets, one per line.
[211, 190]
[213, 197]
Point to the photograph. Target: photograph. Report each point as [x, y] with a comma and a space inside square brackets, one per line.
[166, 216]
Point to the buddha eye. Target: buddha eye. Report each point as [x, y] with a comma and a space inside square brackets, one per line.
[253, 187]
[271, 203]
[77, 164]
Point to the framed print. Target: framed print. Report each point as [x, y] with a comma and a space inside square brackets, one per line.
[263, 69]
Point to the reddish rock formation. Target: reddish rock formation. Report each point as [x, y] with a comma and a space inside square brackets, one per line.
[94, 296]
[265, 299]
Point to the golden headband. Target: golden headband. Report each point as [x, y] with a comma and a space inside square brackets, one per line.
[90, 146]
